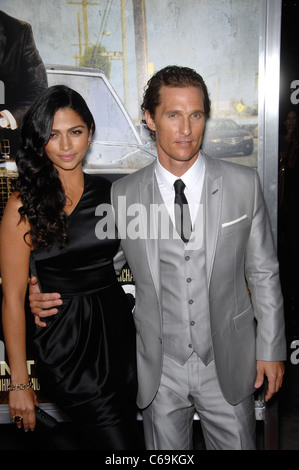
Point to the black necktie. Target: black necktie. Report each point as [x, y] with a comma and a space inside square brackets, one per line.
[181, 212]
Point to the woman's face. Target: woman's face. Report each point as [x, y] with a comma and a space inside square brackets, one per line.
[68, 141]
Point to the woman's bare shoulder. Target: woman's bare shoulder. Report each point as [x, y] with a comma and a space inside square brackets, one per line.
[11, 213]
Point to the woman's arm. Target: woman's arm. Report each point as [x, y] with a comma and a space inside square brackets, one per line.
[14, 262]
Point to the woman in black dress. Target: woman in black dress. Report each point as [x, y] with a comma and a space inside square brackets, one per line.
[85, 357]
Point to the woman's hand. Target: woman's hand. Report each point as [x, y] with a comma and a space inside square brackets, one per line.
[42, 305]
[22, 408]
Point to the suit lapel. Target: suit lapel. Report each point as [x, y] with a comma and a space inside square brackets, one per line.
[147, 195]
[212, 212]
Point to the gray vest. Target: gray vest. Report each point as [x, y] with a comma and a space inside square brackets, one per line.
[185, 300]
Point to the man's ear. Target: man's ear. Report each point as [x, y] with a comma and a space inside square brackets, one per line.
[149, 120]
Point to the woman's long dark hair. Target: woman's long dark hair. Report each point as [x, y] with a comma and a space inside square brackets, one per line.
[39, 186]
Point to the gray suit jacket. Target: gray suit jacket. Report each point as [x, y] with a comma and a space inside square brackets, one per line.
[240, 255]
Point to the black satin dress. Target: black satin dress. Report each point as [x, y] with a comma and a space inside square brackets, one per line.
[85, 357]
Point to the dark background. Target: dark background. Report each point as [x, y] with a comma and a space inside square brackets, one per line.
[289, 60]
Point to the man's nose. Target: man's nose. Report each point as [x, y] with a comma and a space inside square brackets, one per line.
[186, 126]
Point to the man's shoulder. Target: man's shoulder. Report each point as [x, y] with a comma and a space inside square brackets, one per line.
[129, 181]
[218, 166]
[237, 180]
[10, 22]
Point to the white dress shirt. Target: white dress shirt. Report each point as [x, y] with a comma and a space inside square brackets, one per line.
[193, 179]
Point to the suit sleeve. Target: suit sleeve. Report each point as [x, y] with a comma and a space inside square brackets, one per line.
[262, 274]
[33, 77]
[119, 259]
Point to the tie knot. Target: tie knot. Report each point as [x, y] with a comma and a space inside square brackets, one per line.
[179, 186]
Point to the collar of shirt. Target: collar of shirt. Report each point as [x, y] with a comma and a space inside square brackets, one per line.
[193, 179]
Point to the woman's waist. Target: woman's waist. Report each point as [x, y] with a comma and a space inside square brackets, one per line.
[76, 281]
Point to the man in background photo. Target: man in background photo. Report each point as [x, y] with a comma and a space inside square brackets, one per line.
[23, 76]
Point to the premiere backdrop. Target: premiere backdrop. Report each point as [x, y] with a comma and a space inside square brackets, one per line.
[131, 39]
[122, 43]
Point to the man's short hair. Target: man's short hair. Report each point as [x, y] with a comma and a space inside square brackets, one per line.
[173, 76]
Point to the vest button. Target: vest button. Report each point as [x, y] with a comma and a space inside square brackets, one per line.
[190, 301]
[187, 258]
[189, 279]
[192, 323]
[190, 345]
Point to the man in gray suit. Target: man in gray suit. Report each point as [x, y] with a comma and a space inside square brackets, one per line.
[209, 311]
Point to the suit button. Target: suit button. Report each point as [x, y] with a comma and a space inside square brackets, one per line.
[190, 302]
[192, 323]
[187, 258]
[189, 279]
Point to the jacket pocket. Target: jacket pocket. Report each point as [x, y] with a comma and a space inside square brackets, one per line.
[244, 318]
[235, 225]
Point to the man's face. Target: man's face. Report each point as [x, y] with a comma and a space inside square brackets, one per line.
[179, 123]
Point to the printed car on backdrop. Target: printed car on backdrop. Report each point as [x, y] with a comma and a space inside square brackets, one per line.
[225, 138]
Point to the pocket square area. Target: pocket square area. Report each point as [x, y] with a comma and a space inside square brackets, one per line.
[235, 221]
